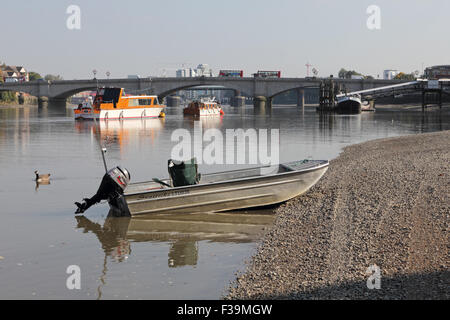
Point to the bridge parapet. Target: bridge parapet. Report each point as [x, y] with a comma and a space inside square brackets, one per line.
[266, 87]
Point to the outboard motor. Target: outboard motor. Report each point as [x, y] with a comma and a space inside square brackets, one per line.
[111, 188]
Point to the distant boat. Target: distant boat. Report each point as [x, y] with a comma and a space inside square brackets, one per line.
[114, 104]
[203, 107]
[85, 111]
[349, 104]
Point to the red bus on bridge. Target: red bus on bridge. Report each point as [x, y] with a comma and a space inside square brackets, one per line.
[231, 73]
[267, 74]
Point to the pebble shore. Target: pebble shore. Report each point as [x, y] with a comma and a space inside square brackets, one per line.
[382, 203]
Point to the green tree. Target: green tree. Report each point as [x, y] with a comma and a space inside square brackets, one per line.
[8, 96]
[347, 74]
[34, 75]
[405, 76]
[341, 73]
[51, 77]
[2, 65]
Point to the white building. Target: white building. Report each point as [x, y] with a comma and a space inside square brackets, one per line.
[14, 74]
[202, 70]
[188, 72]
[389, 74]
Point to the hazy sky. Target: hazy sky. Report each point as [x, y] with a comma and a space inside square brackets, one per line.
[145, 37]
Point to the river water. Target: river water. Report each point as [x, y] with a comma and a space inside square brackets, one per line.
[156, 257]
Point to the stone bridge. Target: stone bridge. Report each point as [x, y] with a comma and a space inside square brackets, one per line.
[259, 88]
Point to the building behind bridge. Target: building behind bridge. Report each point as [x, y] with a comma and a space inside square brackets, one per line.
[14, 74]
[438, 72]
[389, 74]
[202, 70]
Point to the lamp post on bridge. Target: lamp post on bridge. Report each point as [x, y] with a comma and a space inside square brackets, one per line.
[95, 72]
[108, 74]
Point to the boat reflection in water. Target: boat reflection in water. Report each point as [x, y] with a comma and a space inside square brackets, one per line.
[205, 122]
[182, 231]
[122, 132]
[210, 122]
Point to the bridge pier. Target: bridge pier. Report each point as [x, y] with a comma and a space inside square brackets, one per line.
[259, 102]
[301, 98]
[269, 102]
[57, 102]
[21, 98]
[42, 102]
[173, 101]
[238, 101]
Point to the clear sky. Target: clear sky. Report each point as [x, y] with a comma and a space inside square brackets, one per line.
[146, 37]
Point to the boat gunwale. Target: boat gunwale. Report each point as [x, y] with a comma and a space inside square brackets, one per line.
[214, 191]
[317, 167]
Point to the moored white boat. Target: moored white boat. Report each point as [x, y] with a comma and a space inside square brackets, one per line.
[349, 104]
[204, 107]
[114, 104]
[85, 111]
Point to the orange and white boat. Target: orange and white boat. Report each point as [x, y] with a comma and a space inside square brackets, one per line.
[204, 107]
[114, 104]
[85, 111]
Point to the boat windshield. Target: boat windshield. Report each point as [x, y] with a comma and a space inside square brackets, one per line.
[111, 95]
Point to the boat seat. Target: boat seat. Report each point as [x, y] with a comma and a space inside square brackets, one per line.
[184, 173]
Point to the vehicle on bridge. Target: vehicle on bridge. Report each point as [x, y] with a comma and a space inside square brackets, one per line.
[231, 73]
[267, 74]
[114, 104]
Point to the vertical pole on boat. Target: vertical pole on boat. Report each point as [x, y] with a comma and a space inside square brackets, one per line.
[102, 148]
[103, 157]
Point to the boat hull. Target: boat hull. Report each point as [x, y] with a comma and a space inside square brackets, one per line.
[349, 105]
[204, 112]
[134, 113]
[86, 116]
[235, 193]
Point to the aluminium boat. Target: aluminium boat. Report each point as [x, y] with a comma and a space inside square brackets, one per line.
[213, 192]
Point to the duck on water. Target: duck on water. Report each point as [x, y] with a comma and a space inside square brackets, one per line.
[42, 178]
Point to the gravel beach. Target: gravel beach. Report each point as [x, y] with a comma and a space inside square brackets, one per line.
[385, 203]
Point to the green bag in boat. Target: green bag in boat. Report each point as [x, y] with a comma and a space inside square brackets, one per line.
[184, 173]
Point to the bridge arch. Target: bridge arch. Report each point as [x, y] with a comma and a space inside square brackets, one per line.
[168, 91]
[293, 88]
[69, 93]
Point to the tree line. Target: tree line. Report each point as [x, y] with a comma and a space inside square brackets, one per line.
[347, 74]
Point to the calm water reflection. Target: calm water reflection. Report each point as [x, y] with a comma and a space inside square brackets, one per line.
[183, 256]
